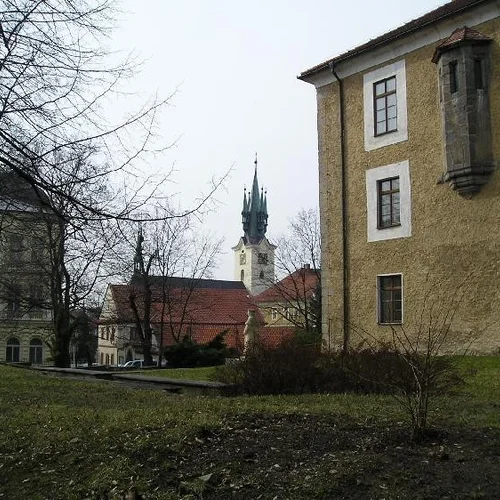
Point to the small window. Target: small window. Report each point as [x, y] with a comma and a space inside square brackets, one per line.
[274, 313]
[107, 333]
[390, 299]
[389, 207]
[261, 275]
[478, 74]
[385, 106]
[243, 258]
[242, 275]
[113, 331]
[112, 359]
[453, 69]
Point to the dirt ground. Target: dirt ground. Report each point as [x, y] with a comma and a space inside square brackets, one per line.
[294, 457]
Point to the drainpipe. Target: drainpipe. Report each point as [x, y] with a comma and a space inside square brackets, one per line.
[345, 270]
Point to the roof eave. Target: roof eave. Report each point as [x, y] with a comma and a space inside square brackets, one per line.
[309, 74]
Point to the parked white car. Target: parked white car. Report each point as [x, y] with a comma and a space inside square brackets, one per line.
[135, 363]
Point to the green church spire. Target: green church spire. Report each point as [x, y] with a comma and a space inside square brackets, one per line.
[254, 213]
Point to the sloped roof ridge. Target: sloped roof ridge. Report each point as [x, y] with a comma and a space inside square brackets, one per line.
[446, 10]
[182, 282]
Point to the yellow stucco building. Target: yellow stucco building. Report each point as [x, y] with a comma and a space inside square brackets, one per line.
[409, 140]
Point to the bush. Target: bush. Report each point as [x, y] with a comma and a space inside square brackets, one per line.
[294, 368]
[189, 354]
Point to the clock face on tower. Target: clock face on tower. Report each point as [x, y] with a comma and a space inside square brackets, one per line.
[243, 258]
[262, 258]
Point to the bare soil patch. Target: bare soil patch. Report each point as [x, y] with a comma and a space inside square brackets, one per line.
[281, 457]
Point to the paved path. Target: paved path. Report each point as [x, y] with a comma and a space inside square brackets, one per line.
[138, 380]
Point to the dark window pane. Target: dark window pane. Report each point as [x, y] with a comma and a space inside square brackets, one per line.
[478, 73]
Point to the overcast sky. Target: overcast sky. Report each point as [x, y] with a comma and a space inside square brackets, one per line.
[233, 65]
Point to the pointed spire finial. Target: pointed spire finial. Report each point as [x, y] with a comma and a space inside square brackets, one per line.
[255, 162]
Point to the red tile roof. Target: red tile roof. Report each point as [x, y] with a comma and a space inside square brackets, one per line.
[202, 305]
[201, 311]
[300, 284]
[449, 9]
[459, 36]
[214, 303]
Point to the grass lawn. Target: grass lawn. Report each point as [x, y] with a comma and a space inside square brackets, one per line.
[203, 373]
[62, 438]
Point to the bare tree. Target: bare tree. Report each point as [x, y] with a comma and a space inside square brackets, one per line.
[56, 84]
[171, 257]
[298, 283]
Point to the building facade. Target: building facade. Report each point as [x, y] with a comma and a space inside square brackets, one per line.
[409, 140]
[25, 306]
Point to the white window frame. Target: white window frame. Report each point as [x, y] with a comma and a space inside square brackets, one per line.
[397, 69]
[373, 176]
[379, 311]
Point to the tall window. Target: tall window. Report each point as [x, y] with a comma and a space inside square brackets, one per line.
[453, 69]
[12, 351]
[390, 299]
[15, 248]
[384, 95]
[478, 74]
[36, 301]
[36, 352]
[389, 207]
[14, 299]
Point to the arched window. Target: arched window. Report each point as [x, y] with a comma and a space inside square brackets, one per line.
[13, 350]
[242, 275]
[107, 359]
[261, 275]
[36, 352]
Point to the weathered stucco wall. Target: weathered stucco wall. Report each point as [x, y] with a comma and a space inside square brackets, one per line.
[451, 261]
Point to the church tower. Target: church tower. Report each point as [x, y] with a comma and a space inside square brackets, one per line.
[254, 255]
